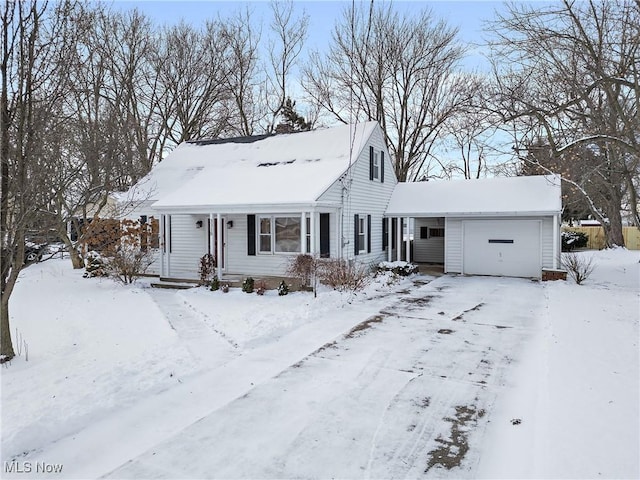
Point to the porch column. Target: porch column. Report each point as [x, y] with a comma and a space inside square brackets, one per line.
[398, 238]
[212, 229]
[389, 239]
[219, 246]
[303, 232]
[312, 231]
[408, 242]
[556, 240]
[162, 244]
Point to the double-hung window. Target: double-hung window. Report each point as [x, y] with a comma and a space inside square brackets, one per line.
[376, 165]
[264, 235]
[362, 233]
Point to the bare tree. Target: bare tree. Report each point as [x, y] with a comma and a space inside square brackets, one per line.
[569, 74]
[244, 81]
[290, 33]
[191, 71]
[397, 69]
[36, 42]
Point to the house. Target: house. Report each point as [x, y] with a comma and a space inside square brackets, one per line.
[255, 202]
[494, 226]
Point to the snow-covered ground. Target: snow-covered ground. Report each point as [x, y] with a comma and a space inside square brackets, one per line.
[422, 378]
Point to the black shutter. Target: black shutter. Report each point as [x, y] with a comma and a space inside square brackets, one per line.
[324, 235]
[385, 233]
[424, 232]
[382, 166]
[370, 163]
[356, 250]
[394, 232]
[368, 233]
[251, 234]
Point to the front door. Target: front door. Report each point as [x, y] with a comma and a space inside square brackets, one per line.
[213, 240]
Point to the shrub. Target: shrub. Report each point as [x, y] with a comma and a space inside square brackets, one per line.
[129, 263]
[96, 265]
[225, 288]
[572, 240]
[305, 268]
[215, 283]
[578, 267]
[261, 287]
[342, 275]
[283, 289]
[403, 269]
[247, 285]
[207, 268]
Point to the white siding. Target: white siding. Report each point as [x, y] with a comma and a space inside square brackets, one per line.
[361, 196]
[453, 240]
[453, 245]
[429, 250]
[188, 243]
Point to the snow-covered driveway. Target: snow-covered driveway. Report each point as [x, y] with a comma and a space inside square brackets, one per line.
[406, 391]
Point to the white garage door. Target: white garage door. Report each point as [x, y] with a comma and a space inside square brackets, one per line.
[502, 247]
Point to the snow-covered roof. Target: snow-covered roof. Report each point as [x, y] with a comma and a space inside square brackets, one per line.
[512, 196]
[288, 169]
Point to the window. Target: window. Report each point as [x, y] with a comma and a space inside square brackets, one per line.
[436, 232]
[280, 235]
[287, 234]
[362, 233]
[376, 165]
[264, 235]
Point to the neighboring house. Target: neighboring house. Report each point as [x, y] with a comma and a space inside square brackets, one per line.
[495, 226]
[255, 202]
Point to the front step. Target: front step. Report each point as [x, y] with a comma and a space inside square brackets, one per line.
[173, 285]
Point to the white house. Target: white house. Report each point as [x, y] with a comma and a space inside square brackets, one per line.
[255, 202]
[494, 226]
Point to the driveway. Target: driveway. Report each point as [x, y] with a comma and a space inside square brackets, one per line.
[407, 392]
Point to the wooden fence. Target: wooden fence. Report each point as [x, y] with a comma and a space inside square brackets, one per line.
[631, 236]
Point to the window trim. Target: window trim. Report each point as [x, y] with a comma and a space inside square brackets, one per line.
[376, 165]
[362, 232]
[272, 233]
[431, 229]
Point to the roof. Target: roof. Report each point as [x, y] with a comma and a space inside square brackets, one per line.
[511, 196]
[293, 169]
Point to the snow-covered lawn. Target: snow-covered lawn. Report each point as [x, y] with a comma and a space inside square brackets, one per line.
[420, 378]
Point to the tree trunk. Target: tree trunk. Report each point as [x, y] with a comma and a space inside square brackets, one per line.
[613, 229]
[6, 346]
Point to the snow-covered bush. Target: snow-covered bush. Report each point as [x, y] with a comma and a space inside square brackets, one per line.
[215, 283]
[283, 288]
[304, 267]
[261, 287]
[207, 268]
[224, 288]
[95, 265]
[128, 263]
[578, 267]
[247, 285]
[403, 269]
[572, 240]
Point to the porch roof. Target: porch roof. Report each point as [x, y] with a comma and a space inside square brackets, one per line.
[512, 196]
[288, 169]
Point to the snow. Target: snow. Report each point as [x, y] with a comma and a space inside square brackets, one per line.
[289, 168]
[135, 382]
[534, 195]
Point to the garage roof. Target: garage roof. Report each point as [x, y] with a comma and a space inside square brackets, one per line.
[510, 196]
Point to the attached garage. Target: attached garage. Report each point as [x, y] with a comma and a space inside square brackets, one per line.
[496, 226]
